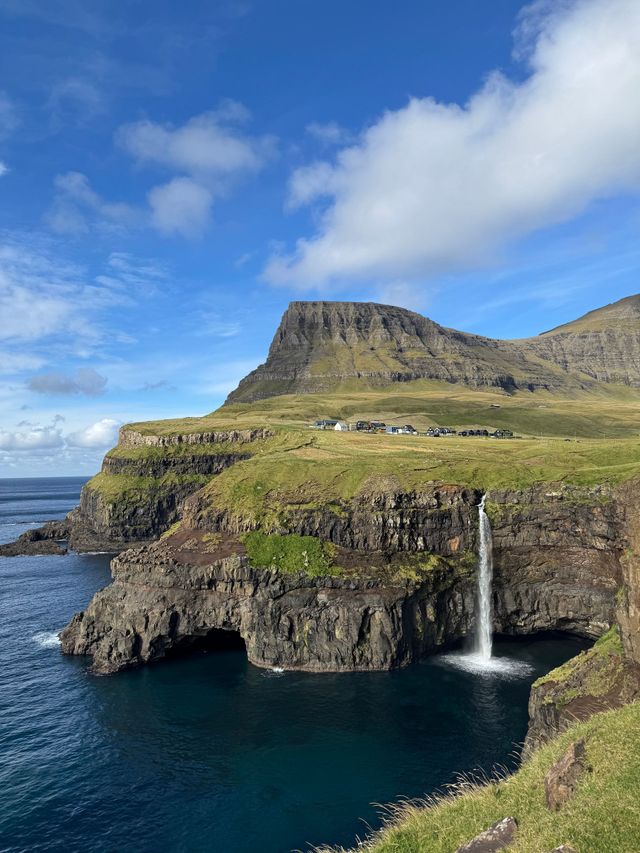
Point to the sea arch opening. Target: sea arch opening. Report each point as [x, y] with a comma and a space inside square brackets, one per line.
[214, 640]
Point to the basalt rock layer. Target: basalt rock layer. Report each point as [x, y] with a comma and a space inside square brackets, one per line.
[320, 345]
[154, 475]
[557, 558]
[596, 680]
[161, 602]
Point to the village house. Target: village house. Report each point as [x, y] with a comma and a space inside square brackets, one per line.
[325, 424]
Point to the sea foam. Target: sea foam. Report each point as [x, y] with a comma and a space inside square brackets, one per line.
[477, 664]
[47, 639]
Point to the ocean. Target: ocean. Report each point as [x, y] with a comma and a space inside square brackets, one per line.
[209, 753]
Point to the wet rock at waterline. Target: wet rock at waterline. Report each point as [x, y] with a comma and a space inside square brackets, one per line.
[49, 539]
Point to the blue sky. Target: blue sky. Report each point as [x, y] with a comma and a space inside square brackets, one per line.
[172, 175]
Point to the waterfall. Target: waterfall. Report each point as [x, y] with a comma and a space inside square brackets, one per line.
[485, 576]
[479, 660]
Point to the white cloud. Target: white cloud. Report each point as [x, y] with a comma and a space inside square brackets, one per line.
[102, 434]
[85, 381]
[181, 206]
[205, 155]
[309, 183]
[36, 446]
[208, 144]
[434, 187]
[77, 207]
[329, 133]
[37, 438]
[208, 152]
[53, 312]
[42, 296]
[3, 168]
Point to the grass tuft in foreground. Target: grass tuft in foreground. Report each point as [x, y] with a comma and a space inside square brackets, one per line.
[603, 816]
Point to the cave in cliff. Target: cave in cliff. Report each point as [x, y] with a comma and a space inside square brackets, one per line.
[215, 640]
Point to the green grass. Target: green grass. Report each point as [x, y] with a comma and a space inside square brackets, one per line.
[609, 644]
[125, 489]
[592, 673]
[326, 469]
[290, 554]
[608, 411]
[603, 816]
[302, 468]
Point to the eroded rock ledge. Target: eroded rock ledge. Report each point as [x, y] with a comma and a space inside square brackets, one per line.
[161, 600]
[557, 567]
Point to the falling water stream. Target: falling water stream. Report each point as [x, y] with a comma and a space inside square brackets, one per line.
[485, 576]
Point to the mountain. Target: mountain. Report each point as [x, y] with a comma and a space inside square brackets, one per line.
[603, 344]
[320, 346]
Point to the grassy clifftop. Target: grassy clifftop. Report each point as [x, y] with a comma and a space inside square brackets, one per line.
[322, 468]
[295, 466]
[609, 411]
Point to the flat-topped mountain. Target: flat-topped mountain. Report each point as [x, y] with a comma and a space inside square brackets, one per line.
[321, 346]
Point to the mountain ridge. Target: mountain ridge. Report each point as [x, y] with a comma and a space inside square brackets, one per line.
[320, 345]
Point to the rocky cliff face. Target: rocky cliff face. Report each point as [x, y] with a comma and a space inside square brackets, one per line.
[604, 344]
[557, 557]
[321, 345]
[162, 600]
[142, 488]
[596, 680]
[440, 519]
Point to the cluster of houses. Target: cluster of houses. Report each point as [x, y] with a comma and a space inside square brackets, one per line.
[407, 429]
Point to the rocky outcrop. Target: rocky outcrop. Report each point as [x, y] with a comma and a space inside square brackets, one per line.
[191, 464]
[604, 344]
[561, 780]
[101, 524]
[500, 835]
[557, 550]
[130, 437]
[596, 680]
[440, 519]
[164, 599]
[628, 600]
[50, 539]
[557, 559]
[149, 489]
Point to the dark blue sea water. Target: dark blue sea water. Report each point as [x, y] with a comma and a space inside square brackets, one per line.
[209, 753]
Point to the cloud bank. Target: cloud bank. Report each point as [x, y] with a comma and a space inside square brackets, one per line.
[103, 433]
[38, 439]
[85, 381]
[436, 187]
